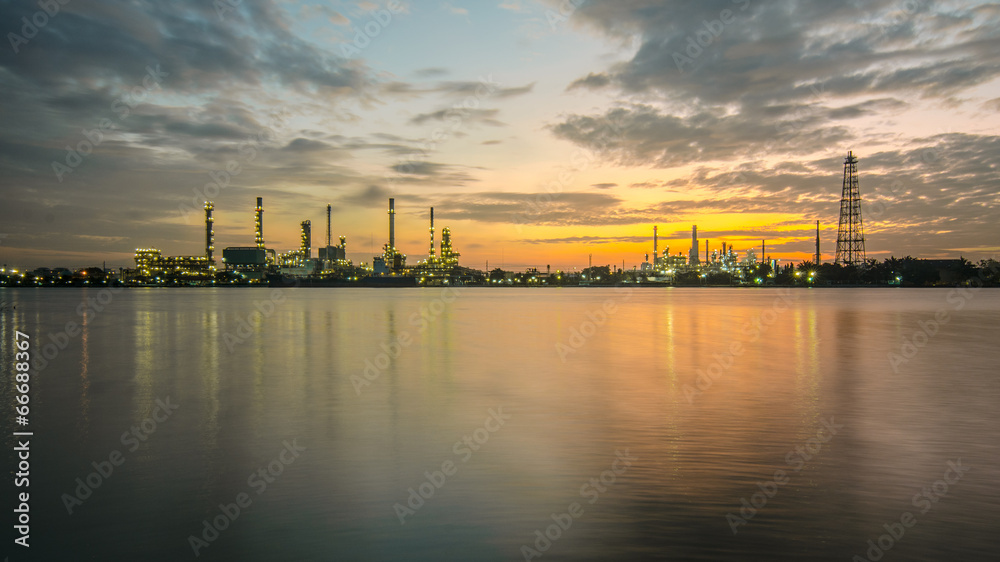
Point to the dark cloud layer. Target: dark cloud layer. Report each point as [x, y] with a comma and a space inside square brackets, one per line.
[742, 112]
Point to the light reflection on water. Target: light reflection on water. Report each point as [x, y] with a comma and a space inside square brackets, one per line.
[246, 383]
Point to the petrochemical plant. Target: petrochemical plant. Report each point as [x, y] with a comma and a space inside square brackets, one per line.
[249, 265]
[258, 263]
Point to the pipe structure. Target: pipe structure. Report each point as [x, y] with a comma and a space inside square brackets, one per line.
[209, 234]
[305, 248]
[430, 253]
[817, 244]
[392, 223]
[693, 254]
[259, 223]
[654, 247]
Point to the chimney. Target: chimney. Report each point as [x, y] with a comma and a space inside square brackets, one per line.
[817, 243]
[392, 223]
[328, 208]
[209, 234]
[654, 244]
[693, 254]
[259, 224]
[430, 253]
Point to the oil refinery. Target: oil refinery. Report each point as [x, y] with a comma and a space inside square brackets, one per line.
[259, 263]
[698, 264]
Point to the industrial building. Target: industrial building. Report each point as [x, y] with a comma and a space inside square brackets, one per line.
[330, 255]
[151, 266]
[441, 265]
[392, 261]
[665, 268]
[251, 262]
[255, 263]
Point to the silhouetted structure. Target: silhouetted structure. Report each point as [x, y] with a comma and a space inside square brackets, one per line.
[305, 247]
[259, 223]
[850, 232]
[693, 254]
[817, 244]
[209, 234]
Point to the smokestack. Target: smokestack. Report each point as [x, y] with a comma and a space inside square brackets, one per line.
[723, 249]
[328, 208]
[430, 253]
[763, 250]
[305, 249]
[693, 254]
[708, 259]
[209, 234]
[392, 223]
[654, 245]
[259, 224]
[817, 243]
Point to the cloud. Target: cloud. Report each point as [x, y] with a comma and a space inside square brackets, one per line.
[591, 81]
[768, 53]
[513, 6]
[460, 115]
[306, 145]
[586, 240]
[419, 168]
[430, 72]
[455, 9]
[643, 135]
[604, 185]
[371, 196]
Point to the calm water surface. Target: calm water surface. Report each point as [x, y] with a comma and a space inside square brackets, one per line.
[705, 392]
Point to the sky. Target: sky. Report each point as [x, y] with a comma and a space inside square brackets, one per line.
[542, 132]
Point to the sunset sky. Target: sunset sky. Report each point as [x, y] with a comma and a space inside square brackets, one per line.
[539, 131]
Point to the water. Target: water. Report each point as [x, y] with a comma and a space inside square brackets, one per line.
[579, 376]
